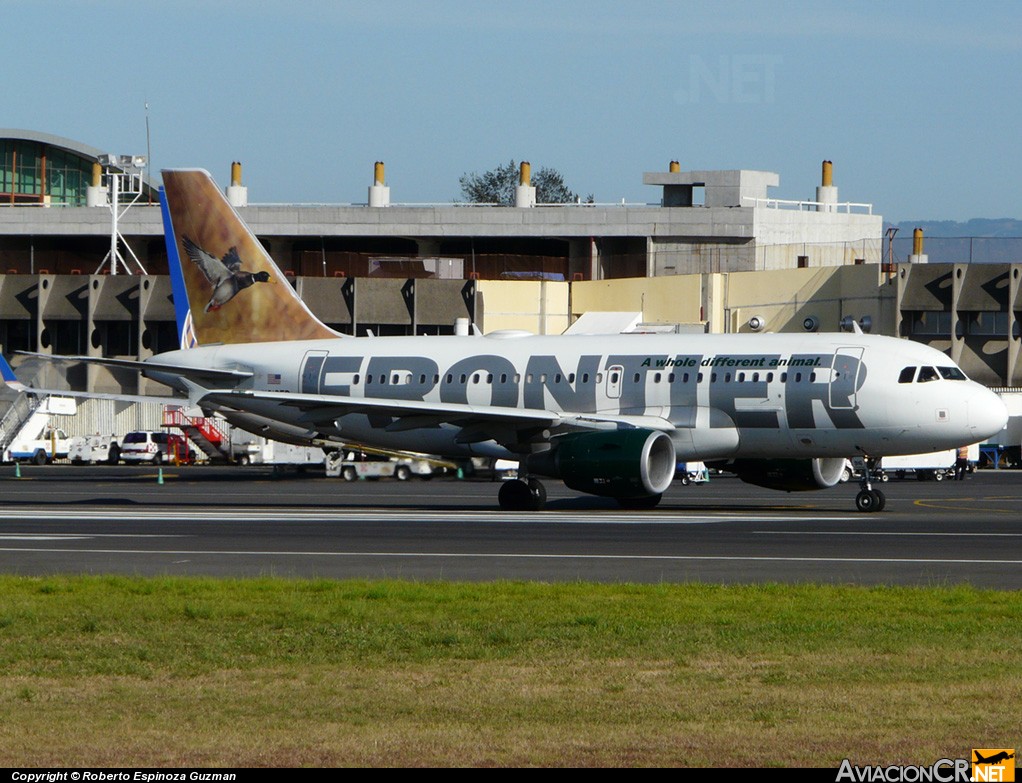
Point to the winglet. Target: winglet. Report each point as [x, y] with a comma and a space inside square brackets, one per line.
[8, 376]
[221, 280]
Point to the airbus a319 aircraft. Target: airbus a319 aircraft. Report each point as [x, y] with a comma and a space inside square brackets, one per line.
[609, 415]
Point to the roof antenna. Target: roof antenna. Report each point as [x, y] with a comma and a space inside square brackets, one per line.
[148, 154]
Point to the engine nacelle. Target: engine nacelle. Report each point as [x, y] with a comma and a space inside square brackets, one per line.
[621, 464]
[791, 475]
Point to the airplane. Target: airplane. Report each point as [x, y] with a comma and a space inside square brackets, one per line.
[609, 415]
[997, 758]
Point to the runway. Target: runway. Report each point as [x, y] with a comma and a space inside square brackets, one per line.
[246, 522]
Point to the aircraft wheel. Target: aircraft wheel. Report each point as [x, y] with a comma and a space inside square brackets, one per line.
[867, 501]
[519, 495]
[537, 495]
[644, 503]
[881, 500]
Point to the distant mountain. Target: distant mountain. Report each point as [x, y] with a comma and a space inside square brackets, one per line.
[980, 240]
[977, 227]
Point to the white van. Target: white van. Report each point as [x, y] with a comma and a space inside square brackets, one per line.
[154, 447]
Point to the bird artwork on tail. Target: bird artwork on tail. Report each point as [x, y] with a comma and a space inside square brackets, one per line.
[225, 275]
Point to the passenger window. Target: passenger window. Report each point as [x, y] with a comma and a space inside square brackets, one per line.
[907, 375]
[928, 374]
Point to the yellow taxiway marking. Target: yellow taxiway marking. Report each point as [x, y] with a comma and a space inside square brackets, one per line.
[954, 504]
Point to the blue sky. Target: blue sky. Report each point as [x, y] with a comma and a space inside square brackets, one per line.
[919, 104]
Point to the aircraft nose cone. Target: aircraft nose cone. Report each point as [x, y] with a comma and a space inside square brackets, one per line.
[988, 415]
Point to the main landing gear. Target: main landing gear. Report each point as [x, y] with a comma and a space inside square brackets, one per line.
[523, 494]
[869, 499]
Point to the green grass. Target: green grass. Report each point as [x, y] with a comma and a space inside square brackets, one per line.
[101, 671]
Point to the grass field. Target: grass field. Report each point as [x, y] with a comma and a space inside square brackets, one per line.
[109, 671]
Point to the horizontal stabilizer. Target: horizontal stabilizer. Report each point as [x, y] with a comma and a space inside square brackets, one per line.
[150, 366]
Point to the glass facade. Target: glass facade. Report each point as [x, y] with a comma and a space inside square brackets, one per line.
[31, 171]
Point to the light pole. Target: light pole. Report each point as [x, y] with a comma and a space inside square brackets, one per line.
[124, 176]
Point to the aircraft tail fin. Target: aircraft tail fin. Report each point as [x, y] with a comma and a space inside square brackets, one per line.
[226, 287]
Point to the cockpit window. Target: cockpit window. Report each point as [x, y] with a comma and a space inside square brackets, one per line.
[927, 374]
[952, 374]
[907, 375]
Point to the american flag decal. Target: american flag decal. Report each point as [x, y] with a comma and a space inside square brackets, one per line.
[273, 378]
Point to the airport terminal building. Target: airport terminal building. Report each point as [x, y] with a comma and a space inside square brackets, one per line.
[82, 272]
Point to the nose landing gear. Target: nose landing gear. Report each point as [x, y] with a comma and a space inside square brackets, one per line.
[869, 499]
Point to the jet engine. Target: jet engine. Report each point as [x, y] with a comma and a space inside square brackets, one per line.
[620, 464]
[791, 475]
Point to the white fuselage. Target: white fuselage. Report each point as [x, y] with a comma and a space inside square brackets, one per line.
[717, 396]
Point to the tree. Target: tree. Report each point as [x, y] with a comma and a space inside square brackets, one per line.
[497, 186]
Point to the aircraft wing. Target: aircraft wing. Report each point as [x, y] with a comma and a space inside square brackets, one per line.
[479, 422]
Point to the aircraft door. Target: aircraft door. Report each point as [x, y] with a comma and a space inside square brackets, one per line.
[312, 368]
[844, 378]
[614, 375]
